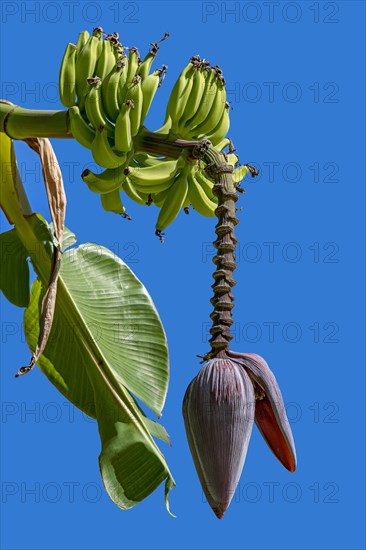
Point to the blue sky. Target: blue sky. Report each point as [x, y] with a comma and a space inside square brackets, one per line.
[293, 72]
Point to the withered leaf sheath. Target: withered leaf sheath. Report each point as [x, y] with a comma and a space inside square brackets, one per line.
[218, 410]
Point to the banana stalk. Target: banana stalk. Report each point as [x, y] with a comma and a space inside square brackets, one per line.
[20, 123]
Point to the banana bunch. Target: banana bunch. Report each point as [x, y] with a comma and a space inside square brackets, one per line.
[175, 185]
[108, 94]
[197, 106]
[171, 184]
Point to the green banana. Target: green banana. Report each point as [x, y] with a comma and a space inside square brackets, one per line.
[182, 102]
[134, 93]
[199, 199]
[106, 60]
[186, 204]
[102, 151]
[107, 181]
[80, 129]
[195, 96]
[175, 108]
[239, 173]
[214, 115]
[159, 198]
[133, 64]
[122, 133]
[122, 84]
[84, 68]
[67, 76]
[94, 107]
[154, 187]
[98, 33]
[145, 66]
[150, 179]
[223, 143]
[144, 159]
[221, 128]
[110, 89]
[173, 202]
[165, 128]
[207, 99]
[117, 47]
[82, 40]
[232, 159]
[149, 87]
[112, 202]
[133, 194]
[205, 184]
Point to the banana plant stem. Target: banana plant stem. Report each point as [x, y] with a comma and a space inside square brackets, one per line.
[224, 189]
[20, 123]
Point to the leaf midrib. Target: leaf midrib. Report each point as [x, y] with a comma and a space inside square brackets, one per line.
[89, 344]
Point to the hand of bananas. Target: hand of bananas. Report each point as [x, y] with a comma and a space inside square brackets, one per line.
[108, 95]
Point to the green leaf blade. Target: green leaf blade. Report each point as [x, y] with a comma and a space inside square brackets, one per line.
[97, 371]
[14, 269]
[122, 324]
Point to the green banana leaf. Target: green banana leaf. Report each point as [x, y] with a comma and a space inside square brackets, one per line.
[14, 269]
[106, 341]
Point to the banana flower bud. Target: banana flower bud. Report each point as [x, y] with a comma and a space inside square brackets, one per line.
[219, 407]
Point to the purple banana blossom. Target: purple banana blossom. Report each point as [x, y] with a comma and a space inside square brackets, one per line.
[219, 407]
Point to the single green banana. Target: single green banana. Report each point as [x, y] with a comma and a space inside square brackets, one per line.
[159, 198]
[122, 84]
[112, 202]
[110, 90]
[105, 182]
[94, 107]
[199, 199]
[177, 127]
[207, 99]
[221, 128]
[145, 66]
[232, 159]
[173, 202]
[144, 159]
[186, 204]
[223, 143]
[118, 49]
[194, 99]
[84, 68]
[102, 151]
[82, 40]
[134, 93]
[239, 173]
[149, 87]
[106, 60]
[174, 108]
[133, 64]
[214, 115]
[165, 128]
[157, 174]
[67, 76]
[122, 133]
[80, 129]
[205, 184]
[155, 187]
[133, 194]
[98, 33]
